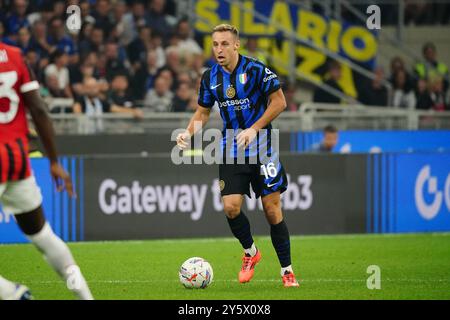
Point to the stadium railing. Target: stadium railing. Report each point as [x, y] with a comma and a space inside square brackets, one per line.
[310, 116]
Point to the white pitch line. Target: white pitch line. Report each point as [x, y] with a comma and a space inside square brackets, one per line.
[254, 280]
[229, 239]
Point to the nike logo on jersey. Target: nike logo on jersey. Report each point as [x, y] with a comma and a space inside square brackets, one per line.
[271, 185]
[213, 87]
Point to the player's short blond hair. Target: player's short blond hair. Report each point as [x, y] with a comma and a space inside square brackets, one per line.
[226, 27]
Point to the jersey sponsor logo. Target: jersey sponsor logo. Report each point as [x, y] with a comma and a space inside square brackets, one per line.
[231, 92]
[237, 103]
[270, 75]
[243, 78]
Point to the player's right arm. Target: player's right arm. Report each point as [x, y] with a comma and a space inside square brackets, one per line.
[198, 120]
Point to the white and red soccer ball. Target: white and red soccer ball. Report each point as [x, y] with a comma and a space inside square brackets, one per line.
[196, 273]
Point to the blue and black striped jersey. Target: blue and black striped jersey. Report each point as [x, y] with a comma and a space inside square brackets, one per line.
[242, 96]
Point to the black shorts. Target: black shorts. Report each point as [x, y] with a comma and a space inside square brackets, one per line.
[264, 179]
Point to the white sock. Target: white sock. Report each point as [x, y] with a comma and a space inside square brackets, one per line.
[288, 269]
[252, 250]
[7, 288]
[58, 255]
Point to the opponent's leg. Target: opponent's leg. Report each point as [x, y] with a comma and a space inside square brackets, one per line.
[240, 227]
[280, 236]
[55, 251]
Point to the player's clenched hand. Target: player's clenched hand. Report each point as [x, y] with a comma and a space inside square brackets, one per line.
[62, 179]
[246, 137]
[183, 140]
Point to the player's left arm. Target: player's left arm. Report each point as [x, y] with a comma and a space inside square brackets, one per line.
[276, 105]
[38, 111]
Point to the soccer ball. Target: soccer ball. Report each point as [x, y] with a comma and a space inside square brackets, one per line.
[196, 273]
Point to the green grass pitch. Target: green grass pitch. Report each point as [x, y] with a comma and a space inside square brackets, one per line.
[413, 266]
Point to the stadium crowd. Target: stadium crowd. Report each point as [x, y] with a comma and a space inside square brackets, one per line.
[133, 54]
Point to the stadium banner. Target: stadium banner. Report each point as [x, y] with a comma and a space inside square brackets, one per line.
[373, 141]
[408, 192]
[274, 35]
[141, 198]
[63, 213]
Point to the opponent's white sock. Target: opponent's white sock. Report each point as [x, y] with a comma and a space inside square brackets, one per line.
[58, 255]
[7, 288]
[252, 250]
[288, 269]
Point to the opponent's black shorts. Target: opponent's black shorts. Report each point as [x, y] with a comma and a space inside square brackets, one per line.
[264, 179]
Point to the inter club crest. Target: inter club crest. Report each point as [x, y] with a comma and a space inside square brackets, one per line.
[231, 92]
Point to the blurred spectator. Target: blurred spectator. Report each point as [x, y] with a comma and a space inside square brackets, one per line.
[16, 19]
[423, 100]
[58, 69]
[57, 37]
[156, 44]
[173, 65]
[95, 42]
[197, 66]
[53, 87]
[403, 95]
[92, 104]
[397, 65]
[145, 76]
[251, 50]
[332, 78]
[120, 10]
[85, 9]
[59, 9]
[160, 97]
[32, 58]
[119, 94]
[372, 92]
[101, 16]
[431, 68]
[113, 64]
[138, 47]
[132, 21]
[158, 20]
[184, 77]
[180, 101]
[39, 36]
[435, 97]
[329, 140]
[4, 38]
[187, 46]
[87, 69]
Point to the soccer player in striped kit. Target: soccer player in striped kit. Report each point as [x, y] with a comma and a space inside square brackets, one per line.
[19, 193]
[249, 97]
